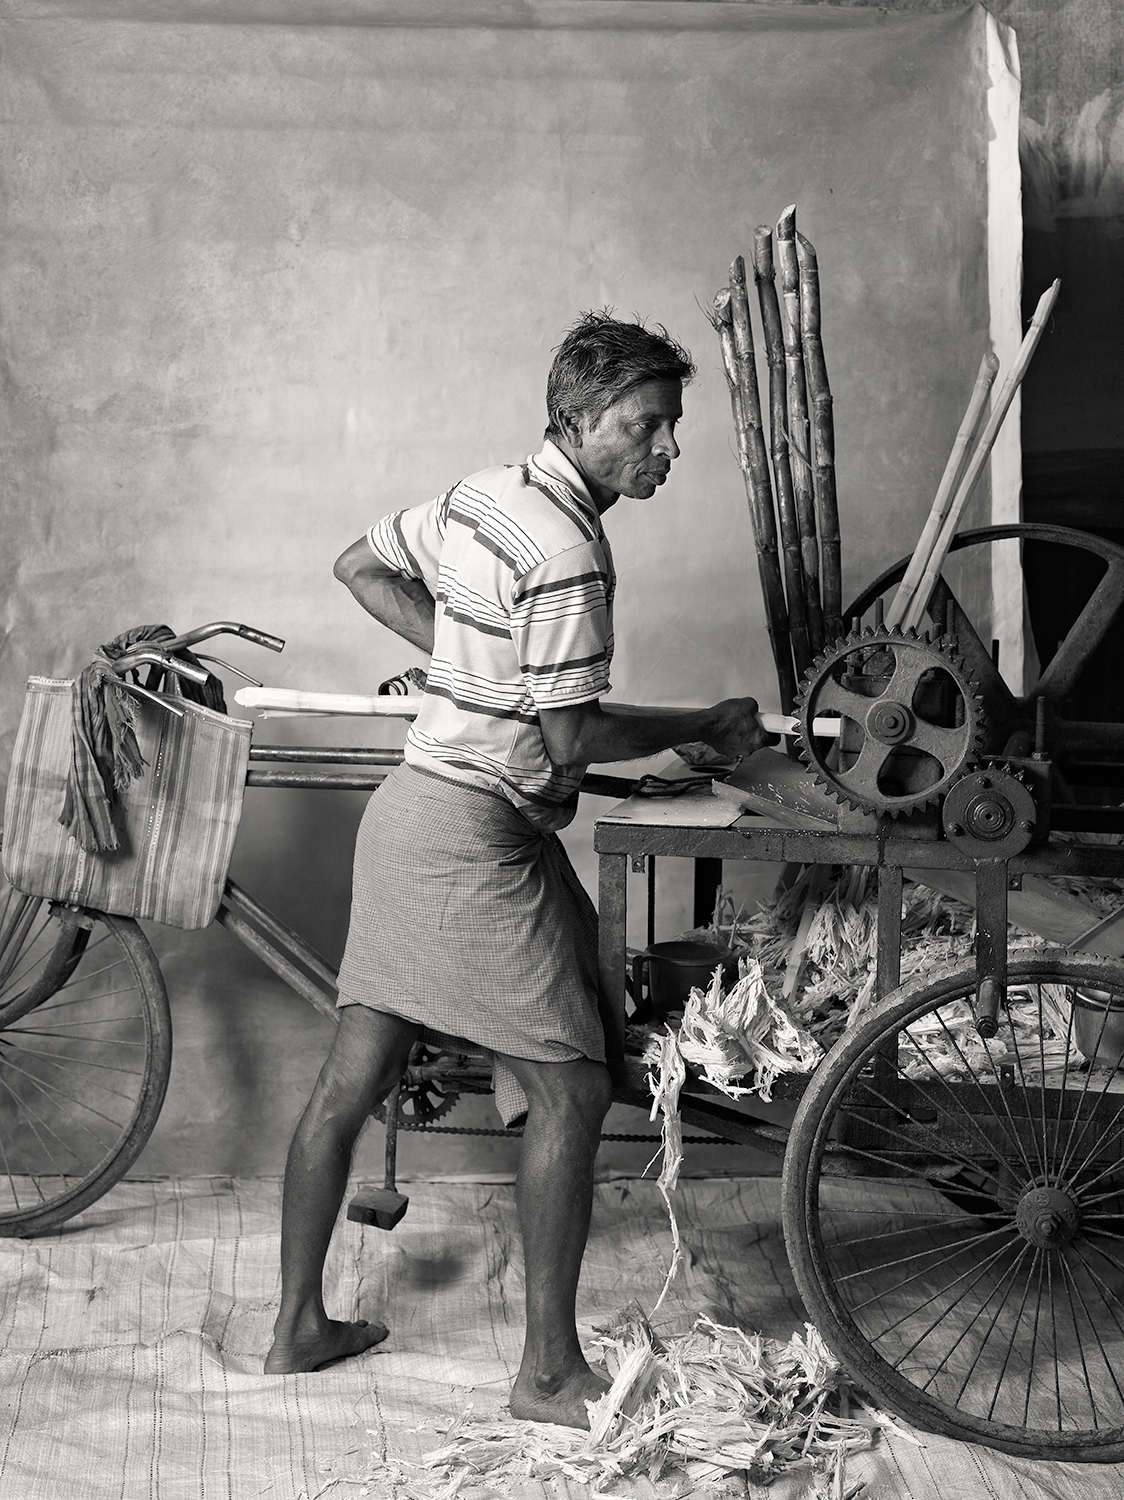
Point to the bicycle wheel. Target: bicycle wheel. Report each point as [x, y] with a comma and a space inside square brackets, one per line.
[953, 1214]
[85, 1051]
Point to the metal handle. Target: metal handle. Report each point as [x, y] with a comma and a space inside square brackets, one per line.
[225, 627]
[641, 1003]
[151, 656]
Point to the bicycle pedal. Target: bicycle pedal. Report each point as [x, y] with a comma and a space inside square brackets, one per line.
[381, 1207]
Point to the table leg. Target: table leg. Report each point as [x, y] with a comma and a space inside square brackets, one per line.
[612, 909]
[888, 973]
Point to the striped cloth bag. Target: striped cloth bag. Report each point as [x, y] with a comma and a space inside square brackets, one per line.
[176, 822]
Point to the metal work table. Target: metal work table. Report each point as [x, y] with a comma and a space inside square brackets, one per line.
[892, 849]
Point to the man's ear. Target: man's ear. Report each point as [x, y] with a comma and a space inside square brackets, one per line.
[571, 425]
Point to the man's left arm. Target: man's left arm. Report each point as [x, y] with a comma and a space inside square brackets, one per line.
[401, 603]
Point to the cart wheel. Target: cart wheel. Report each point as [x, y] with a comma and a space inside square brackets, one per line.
[953, 1215]
[85, 1051]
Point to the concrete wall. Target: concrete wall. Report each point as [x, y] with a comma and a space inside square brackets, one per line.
[1071, 57]
[272, 270]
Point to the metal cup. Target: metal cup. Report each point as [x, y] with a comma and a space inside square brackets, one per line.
[664, 975]
[1098, 1026]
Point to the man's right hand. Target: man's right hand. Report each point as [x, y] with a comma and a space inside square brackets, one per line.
[736, 731]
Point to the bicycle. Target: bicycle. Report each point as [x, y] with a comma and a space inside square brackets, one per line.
[85, 1025]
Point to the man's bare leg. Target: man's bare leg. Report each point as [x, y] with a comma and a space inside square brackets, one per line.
[367, 1058]
[567, 1103]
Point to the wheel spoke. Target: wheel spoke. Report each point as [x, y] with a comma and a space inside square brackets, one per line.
[932, 1137]
[65, 1062]
[1011, 1339]
[57, 1095]
[1006, 1282]
[904, 1260]
[34, 1121]
[1069, 1047]
[30, 957]
[1012, 1134]
[981, 1271]
[1109, 1299]
[20, 920]
[1040, 1259]
[1072, 1290]
[1040, 1147]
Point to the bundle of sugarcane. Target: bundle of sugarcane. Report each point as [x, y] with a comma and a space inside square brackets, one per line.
[795, 502]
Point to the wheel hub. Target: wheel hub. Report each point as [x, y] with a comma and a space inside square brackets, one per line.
[1047, 1217]
[891, 723]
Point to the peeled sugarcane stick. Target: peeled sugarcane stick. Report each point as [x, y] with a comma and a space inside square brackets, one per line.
[946, 490]
[751, 405]
[799, 430]
[755, 473]
[823, 439]
[920, 601]
[763, 275]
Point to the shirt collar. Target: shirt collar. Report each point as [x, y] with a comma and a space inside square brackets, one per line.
[558, 466]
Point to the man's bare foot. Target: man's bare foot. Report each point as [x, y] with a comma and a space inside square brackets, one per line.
[562, 1401]
[330, 1342]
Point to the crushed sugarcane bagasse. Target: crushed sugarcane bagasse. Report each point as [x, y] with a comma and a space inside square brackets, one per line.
[693, 1411]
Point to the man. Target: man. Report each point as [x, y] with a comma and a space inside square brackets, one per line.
[466, 914]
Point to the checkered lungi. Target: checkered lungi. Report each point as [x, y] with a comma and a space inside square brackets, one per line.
[467, 918]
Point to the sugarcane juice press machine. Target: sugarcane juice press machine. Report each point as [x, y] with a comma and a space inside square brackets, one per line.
[939, 771]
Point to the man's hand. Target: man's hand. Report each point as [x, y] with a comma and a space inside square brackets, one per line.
[736, 729]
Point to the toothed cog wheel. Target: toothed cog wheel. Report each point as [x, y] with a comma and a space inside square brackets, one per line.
[912, 720]
[423, 1097]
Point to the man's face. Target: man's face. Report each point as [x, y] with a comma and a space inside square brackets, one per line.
[629, 449]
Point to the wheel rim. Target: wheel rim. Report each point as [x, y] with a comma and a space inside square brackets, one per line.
[82, 1072]
[978, 1286]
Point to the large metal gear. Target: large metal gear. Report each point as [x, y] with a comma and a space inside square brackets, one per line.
[912, 719]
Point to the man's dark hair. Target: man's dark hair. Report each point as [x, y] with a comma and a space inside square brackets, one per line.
[601, 358]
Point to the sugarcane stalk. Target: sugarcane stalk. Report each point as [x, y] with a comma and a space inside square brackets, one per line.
[764, 276]
[799, 430]
[759, 458]
[946, 490]
[920, 602]
[823, 438]
[755, 473]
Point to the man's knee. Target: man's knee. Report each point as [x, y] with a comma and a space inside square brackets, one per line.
[581, 1088]
[368, 1056]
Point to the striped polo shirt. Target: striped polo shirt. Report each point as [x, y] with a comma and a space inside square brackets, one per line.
[523, 581]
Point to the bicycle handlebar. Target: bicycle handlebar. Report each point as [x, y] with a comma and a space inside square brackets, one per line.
[224, 627]
[151, 656]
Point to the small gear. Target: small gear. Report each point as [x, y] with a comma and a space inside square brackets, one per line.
[912, 719]
[991, 813]
[422, 1098]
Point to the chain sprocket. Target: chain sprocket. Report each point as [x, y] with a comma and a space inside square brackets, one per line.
[424, 1096]
[913, 719]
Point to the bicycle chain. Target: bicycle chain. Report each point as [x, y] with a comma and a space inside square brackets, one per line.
[688, 1140]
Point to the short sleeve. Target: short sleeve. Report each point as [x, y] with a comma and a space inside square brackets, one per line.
[561, 626]
[409, 541]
